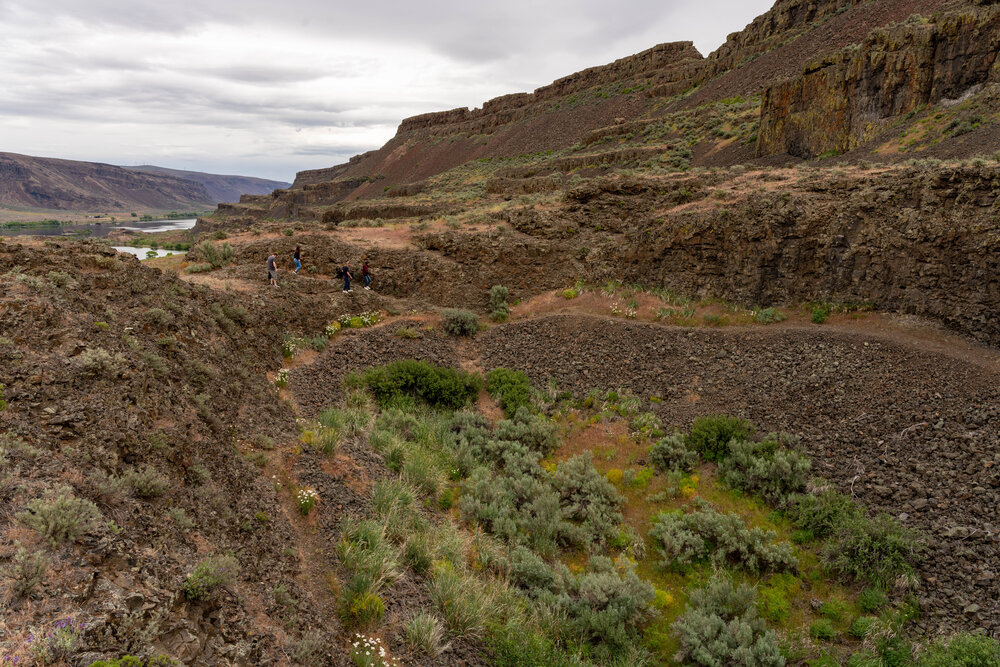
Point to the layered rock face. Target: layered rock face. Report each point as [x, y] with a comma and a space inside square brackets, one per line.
[841, 100]
[910, 241]
[914, 242]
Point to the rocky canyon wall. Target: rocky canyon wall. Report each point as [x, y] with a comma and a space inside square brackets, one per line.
[843, 99]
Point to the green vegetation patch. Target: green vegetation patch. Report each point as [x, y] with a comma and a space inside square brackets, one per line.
[512, 389]
[441, 387]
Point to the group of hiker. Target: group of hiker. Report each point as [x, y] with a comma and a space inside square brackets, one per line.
[343, 272]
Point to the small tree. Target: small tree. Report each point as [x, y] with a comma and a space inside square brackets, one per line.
[499, 310]
[459, 322]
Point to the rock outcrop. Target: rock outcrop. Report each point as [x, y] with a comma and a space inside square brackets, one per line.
[842, 100]
[910, 241]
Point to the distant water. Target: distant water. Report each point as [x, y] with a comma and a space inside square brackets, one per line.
[101, 230]
[143, 253]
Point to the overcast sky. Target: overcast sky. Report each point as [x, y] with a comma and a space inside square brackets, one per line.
[266, 88]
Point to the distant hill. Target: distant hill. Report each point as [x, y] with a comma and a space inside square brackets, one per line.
[221, 188]
[70, 185]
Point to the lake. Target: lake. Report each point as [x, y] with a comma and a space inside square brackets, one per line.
[142, 253]
[100, 230]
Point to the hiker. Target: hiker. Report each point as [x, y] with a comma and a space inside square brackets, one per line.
[347, 278]
[297, 258]
[366, 275]
[272, 269]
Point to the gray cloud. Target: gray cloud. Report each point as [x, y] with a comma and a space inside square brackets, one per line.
[270, 88]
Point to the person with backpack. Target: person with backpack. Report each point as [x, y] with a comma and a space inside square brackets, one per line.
[347, 278]
[297, 258]
[366, 275]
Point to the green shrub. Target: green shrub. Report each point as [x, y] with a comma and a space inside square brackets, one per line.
[420, 470]
[208, 253]
[774, 601]
[464, 604]
[201, 267]
[364, 548]
[101, 363]
[158, 317]
[588, 501]
[603, 604]
[447, 498]
[60, 516]
[208, 575]
[886, 644]
[861, 626]
[27, 570]
[822, 630]
[418, 553]
[833, 609]
[535, 432]
[518, 506]
[147, 483]
[673, 453]
[425, 633]
[360, 605]
[819, 314]
[962, 650]
[720, 626]
[705, 534]
[512, 389]
[309, 651]
[459, 322]
[767, 469]
[821, 514]
[132, 661]
[710, 435]
[872, 599]
[259, 459]
[876, 551]
[517, 645]
[499, 310]
[768, 315]
[408, 333]
[441, 387]
[638, 479]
